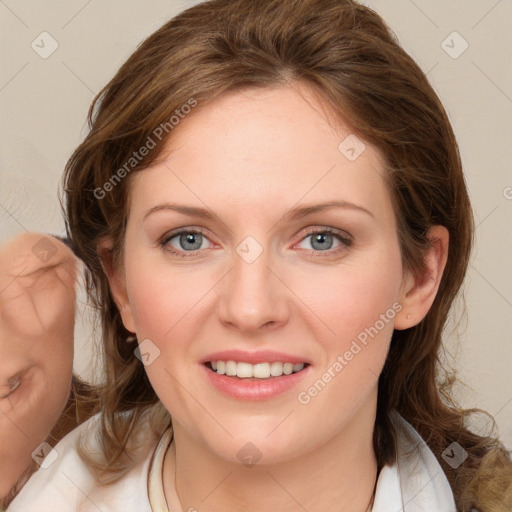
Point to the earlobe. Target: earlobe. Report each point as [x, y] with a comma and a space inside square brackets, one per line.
[117, 283]
[418, 292]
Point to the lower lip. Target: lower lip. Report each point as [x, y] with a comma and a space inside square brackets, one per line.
[248, 389]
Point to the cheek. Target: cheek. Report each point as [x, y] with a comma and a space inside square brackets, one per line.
[160, 297]
[358, 305]
[349, 300]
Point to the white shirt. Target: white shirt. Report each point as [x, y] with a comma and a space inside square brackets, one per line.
[415, 483]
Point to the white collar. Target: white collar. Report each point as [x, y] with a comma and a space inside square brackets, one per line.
[414, 483]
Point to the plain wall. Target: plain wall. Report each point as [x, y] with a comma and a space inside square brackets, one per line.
[44, 102]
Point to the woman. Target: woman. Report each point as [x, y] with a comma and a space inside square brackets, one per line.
[306, 159]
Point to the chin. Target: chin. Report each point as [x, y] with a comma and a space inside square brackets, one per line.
[252, 446]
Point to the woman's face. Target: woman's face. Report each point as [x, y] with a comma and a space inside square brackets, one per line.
[263, 279]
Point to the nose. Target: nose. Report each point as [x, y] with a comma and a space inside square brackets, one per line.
[252, 297]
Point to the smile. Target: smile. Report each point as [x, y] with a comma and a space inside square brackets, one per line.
[260, 381]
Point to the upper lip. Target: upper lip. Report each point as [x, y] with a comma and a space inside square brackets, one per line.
[258, 356]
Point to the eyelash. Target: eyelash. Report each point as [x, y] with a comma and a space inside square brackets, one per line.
[345, 241]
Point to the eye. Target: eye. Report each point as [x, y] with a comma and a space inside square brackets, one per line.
[323, 239]
[188, 242]
[183, 241]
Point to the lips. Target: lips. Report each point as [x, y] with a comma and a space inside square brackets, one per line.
[271, 373]
[260, 356]
[253, 388]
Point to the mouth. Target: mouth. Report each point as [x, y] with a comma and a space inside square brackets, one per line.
[240, 370]
[255, 375]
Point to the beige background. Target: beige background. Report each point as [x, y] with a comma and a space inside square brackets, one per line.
[44, 103]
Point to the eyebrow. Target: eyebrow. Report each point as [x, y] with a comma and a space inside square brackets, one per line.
[296, 213]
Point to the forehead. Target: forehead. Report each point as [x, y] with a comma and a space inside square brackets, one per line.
[261, 148]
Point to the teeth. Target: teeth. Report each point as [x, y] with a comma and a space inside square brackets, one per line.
[276, 369]
[230, 368]
[244, 370]
[258, 371]
[261, 370]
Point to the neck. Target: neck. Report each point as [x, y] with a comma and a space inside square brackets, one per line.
[339, 475]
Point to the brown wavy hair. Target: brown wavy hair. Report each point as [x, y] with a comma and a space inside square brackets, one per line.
[354, 62]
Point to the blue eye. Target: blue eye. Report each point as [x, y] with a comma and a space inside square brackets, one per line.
[188, 242]
[323, 239]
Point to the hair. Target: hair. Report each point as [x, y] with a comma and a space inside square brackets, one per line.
[346, 53]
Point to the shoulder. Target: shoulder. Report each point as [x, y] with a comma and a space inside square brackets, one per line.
[416, 477]
[63, 482]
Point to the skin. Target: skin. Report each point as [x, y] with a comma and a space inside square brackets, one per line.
[250, 156]
[37, 311]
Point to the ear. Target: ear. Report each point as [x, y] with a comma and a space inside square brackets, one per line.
[117, 282]
[418, 292]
